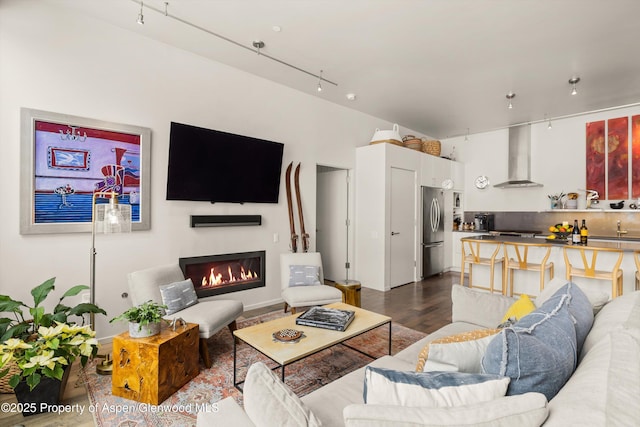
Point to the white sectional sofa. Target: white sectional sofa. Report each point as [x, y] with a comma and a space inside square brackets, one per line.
[604, 390]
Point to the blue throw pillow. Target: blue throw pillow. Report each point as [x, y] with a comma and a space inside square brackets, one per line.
[580, 309]
[539, 353]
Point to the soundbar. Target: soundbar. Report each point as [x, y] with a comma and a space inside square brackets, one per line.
[224, 220]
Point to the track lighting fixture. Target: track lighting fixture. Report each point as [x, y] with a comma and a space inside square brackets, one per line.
[165, 12]
[548, 122]
[320, 82]
[466, 137]
[510, 97]
[258, 44]
[140, 15]
[573, 81]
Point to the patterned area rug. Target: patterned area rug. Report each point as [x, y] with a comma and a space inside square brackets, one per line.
[214, 384]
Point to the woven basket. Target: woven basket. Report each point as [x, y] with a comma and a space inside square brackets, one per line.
[388, 141]
[432, 147]
[4, 381]
[414, 144]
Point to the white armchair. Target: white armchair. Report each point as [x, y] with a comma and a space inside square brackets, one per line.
[302, 281]
[210, 315]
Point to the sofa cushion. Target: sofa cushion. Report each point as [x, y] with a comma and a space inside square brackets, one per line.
[407, 388]
[477, 307]
[269, 402]
[178, 295]
[604, 389]
[539, 352]
[519, 309]
[461, 352]
[526, 410]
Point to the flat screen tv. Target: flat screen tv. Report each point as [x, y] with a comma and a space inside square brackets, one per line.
[214, 166]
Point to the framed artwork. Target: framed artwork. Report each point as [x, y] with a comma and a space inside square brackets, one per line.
[65, 159]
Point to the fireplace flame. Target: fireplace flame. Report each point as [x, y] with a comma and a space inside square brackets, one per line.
[215, 278]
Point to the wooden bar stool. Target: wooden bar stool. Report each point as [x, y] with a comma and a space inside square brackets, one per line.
[589, 269]
[471, 254]
[636, 255]
[522, 262]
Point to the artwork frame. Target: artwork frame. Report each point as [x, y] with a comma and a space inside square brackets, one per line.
[64, 159]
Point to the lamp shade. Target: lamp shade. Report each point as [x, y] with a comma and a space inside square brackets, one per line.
[112, 217]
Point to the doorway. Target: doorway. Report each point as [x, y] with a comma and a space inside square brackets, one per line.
[334, 234]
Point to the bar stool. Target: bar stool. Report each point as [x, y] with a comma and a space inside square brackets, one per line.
[471, 250]
[589, 269]
[636, 255]
[521, 262]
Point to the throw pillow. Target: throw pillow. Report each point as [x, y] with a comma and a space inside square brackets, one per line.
[270, 403]
[596, 296]
[304, 275]
[461, 352]
[525, 410]
[433, 389]
[539, 353]
[519, 309]
[178, 296]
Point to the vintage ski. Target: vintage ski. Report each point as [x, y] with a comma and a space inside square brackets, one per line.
[303, 233]
[292, 226]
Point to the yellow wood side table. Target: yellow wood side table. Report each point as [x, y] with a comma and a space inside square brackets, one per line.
[151, 369]
[350, 291]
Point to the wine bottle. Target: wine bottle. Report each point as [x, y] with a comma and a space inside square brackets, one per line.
[584, 233]
[575, 233]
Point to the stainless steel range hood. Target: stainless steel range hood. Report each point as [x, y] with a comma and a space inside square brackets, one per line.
[519, 159]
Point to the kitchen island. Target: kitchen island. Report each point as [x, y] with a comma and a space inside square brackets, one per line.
[527, 281]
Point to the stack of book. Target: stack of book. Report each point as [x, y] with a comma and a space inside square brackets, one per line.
[327, 318]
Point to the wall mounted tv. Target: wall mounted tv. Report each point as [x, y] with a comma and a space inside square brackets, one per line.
[214, 166]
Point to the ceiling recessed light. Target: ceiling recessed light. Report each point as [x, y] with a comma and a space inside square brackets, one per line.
[351, 96]
[276, 28]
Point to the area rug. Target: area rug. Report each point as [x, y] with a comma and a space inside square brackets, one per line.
[216, 383]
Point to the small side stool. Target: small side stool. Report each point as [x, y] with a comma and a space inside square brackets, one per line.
[350, 291]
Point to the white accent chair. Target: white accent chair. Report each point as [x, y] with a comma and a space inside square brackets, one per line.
[305, 295]
[210, 315]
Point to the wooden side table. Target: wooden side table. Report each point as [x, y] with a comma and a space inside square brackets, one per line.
[151, 369]
[350, 291]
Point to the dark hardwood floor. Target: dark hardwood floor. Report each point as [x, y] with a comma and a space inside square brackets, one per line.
[424, 306]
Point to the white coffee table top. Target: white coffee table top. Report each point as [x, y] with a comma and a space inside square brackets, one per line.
[260, 336]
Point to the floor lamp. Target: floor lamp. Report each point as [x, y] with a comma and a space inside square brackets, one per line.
[107, 218]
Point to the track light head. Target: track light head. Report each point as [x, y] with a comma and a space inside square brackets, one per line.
[319, 88]
[574, 81]
[140, 15]
[510, 97]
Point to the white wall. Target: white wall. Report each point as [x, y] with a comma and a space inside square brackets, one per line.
[557, 161]
[57, 61]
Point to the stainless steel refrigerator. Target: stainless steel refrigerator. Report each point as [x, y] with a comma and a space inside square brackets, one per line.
[432, 231]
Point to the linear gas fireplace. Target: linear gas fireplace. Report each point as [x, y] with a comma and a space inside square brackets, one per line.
[221, 274]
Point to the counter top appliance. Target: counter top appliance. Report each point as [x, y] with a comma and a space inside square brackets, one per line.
[484, 221]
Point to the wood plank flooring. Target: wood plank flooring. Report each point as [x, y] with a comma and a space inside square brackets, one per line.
[424, 306]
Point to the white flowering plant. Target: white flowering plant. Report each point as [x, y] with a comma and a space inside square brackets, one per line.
[44, 343]
[53, 349]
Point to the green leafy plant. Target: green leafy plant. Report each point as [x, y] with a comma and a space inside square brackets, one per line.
[44, 343]
[143, 314]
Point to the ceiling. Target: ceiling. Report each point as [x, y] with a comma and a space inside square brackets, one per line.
[439, 67]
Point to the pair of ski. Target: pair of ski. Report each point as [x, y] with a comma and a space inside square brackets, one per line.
[292, 225]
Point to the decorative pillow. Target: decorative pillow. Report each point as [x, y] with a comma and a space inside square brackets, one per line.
[461, 352]
[596, 296]
[304, 275]
[432, 389]
[269, 402]
[539, 353]
[519, 309]
[178, 296]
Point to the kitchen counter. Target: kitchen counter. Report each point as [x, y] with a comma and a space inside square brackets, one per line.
[610, 243]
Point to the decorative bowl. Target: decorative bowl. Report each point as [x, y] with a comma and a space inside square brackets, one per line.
[562, 234]
[618, 205]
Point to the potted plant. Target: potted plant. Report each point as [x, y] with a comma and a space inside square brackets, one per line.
[148, 314]
[40, 349]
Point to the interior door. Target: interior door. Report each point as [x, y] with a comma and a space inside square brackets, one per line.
[332, 221]
[403, 227]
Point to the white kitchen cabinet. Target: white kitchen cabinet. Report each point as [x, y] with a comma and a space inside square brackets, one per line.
[374, 266]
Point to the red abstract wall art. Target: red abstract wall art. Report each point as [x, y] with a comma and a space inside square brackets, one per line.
[618, 161]
[596, 166]
[635, 156]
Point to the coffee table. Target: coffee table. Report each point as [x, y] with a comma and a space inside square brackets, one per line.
[260, 337]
